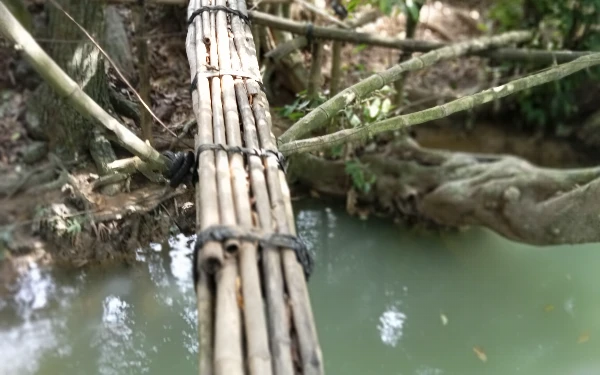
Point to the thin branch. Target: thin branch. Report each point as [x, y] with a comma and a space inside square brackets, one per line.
[69, 90]
[321, 115]
[465, 103]
[503, 54]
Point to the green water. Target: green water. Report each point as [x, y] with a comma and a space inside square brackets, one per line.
[386, 301]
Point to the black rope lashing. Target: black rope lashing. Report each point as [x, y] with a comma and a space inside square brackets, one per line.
[220, 73]
[184, 164]
[213, 8]
[261, 153]
[222, 233]
[180, 168]
[310, 28]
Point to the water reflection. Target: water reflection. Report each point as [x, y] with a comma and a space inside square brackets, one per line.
[390, 326]
[386, 301]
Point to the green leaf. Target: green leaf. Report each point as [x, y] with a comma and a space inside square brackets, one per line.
[386, 106]
[355, 121]
[413, 9]
[374, 108]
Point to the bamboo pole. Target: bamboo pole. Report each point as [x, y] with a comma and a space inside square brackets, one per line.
[228, 330]
[257, 133]
[205, 305]
[310, 350]
[259, 356]
[207, 212]
[279, 324]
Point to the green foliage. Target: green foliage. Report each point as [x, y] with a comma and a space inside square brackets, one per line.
[564, 24]
[508, 14]
[361, 180]
[73, 227]
[300, 107]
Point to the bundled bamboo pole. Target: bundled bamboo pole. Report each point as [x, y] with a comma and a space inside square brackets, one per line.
[241, 331]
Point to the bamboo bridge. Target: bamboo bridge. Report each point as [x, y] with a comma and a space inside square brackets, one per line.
[254, 312]
[250, 270]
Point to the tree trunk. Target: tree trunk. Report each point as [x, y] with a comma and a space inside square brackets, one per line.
[69, 134]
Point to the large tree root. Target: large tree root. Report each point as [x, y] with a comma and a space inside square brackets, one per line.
[506, 194]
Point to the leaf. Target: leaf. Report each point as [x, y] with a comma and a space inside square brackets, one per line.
[303, 104]
[15, 136]
[444, 319]
[374, 108]
[355, 121]
[386, 106]
[413, 9]
[583, 338]
[480, 354]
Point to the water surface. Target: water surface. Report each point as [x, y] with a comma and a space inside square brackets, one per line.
[386, 301]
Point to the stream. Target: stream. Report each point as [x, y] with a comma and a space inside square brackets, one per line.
[386, 301]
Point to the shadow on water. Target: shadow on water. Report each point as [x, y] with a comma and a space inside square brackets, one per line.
[387, 301]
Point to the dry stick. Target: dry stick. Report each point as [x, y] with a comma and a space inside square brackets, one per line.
[336, 51]
[259, 356]
[284, 49]
[69, 90]
[320, 116]
[314, 80]
[336, 68]
[464, 103]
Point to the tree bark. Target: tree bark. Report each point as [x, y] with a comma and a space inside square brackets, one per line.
[69, 133]
[506, 194]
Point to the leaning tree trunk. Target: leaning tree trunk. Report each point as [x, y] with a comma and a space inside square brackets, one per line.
[68, 133]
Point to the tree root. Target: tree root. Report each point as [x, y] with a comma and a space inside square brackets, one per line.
[506, 194]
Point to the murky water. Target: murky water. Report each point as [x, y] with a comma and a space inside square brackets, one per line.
[386, 302]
